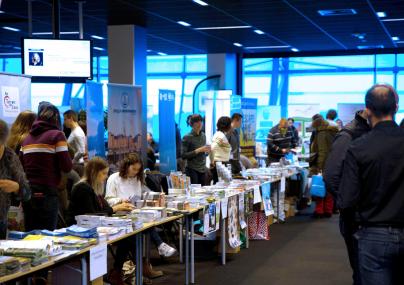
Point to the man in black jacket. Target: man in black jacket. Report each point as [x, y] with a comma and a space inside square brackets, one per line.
[332, 177]
[372, 185]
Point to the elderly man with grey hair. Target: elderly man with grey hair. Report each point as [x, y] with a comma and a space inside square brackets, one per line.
[13, 183]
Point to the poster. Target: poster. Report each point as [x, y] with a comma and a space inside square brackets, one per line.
[98, 261]
[209, 218]
[266, 198]
[248, 108]
[233, 233]
[95, 119]
[241, 211]
[217, 215]
[15, 96]
[346, 111]
[125, 133]
[167, 146]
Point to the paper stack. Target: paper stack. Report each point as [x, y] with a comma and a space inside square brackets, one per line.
[116, 222]
[88, 221]
[82, 232]
[8, 265]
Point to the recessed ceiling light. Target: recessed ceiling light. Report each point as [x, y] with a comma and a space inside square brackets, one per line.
[259, 32]
[18, 48]
[381, 14]
[161, 53]
[185, 24]
[393, 20]
[223, 28]
[395, 38]
[371, 47]
[294, 49]
[200, 2]
[337, 12]
[266, 47]
[11, 29]
[98, 48]
[51, 33]
[149, 50]
[237, 44]
[97, 37]
[2, 12]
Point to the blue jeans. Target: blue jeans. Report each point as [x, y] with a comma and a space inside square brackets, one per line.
[381, 255]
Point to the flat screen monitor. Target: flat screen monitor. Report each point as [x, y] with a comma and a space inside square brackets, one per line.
[55, 60]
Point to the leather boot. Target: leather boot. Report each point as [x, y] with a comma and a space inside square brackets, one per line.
[148, 271]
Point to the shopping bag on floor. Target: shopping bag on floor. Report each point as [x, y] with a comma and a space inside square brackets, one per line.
[258, 226]
[317, 188]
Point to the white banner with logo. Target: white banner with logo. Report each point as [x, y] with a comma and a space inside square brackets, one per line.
[15, 95]
[125, 134]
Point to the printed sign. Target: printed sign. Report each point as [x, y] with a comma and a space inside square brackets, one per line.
[10, 99]
[98, 261]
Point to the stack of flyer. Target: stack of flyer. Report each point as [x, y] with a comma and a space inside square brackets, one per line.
[8, 265]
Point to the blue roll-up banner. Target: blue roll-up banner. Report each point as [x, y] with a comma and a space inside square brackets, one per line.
[95, 119]
[15, 95]
[125, 134]
[167, 146]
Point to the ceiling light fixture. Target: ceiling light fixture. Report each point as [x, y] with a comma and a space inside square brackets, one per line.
[223, 28]
[371, 47]
[10, 53]
[98, 48]
[11, 29]
[294, 49]
[149, 50]
[162, 53]
[200, 2]
[267, 47]
[395, 38]
[97, 37]
[400, 42]
[2, 12]
[393, 20]
[259, 32]
[337, 12]
[50, 33]
[237, 44]
[17, 48]
[381, 14]
[185, 24]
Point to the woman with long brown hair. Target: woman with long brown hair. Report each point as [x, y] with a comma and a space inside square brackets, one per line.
[20, 130]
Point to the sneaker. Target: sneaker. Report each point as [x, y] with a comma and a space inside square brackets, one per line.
[166, 250]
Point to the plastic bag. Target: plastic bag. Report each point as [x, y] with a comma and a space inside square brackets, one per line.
[317, 188]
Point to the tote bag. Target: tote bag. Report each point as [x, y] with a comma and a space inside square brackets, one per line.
[317, 188]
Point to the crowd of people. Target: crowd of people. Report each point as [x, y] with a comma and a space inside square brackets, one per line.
[361, 164]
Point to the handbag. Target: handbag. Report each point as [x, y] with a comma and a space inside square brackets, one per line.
[258, 226]
[317, 188]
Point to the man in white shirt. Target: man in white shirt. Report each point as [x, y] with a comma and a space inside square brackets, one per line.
[77, 138]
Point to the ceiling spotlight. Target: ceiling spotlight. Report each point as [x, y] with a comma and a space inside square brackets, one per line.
[360, 36]
[395, 38]
[98, 48]
[237, 44]
[259, 32]
[11, 29]
[97, 37]
[200, 2]
[2, 12]
[381, 14]
[294, 49]
[185, 24]
[161, 53]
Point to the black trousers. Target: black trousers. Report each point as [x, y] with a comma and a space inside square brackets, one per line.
[235, 166]
[196, 176]
[348, 227]
[41, 212]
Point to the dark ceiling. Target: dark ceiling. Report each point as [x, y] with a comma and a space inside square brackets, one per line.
[286, 24]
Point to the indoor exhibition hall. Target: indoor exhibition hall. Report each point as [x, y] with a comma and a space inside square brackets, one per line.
[210, 142]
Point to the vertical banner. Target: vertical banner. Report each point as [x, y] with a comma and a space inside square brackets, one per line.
[167, 146]
[15, 95]
[125, 133]
[95, 119]
[248, 128]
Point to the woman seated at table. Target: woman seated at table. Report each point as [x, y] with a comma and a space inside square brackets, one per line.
[127, 186]
[87, 198]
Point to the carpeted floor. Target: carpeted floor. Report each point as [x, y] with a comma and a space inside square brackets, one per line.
[302, 251]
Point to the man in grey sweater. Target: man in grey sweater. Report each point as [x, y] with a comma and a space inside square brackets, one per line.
[234, 139]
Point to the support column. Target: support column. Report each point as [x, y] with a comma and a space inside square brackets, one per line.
[127, 52]
[225, 65]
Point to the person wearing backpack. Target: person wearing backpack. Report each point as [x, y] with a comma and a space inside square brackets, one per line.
[332, 177]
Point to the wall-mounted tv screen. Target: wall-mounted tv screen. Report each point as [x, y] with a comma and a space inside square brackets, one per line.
[54, 60]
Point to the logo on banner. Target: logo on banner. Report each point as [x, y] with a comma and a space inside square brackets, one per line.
[125, 100]
[10, 101]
